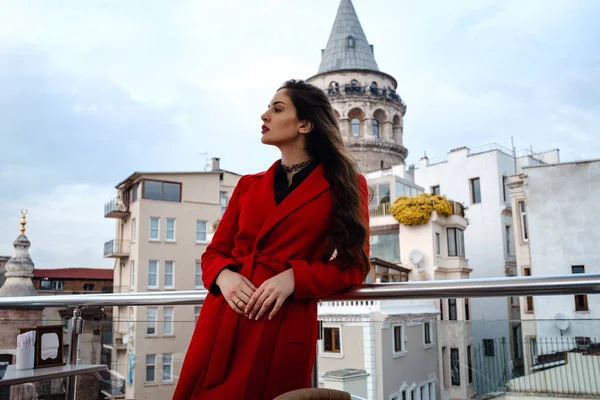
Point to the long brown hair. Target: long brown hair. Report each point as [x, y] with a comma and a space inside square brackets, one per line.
[325, 144]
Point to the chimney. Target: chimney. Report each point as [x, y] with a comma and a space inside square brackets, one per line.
[215, 164]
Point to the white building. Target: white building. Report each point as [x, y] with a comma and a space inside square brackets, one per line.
[478, 179]
[557, 235]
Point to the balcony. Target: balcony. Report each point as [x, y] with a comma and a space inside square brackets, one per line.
[116, 248]
[115, 209]
[356, 90]
[554, 364]
[380, 210]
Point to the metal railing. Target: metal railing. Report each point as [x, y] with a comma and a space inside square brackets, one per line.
[116, 247]
[490, 287]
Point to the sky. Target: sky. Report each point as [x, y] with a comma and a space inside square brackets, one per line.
[91, 91]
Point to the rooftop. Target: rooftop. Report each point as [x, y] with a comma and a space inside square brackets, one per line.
[74, 273]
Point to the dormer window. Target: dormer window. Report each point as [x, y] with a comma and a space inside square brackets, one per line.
[351, 41]
[354, 82]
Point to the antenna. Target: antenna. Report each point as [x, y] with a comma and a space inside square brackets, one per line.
[207, 165]
[416, 257]
[514, 151]
[561, 322]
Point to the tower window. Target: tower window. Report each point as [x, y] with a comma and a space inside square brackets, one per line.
[375, 128]
[351, 42]
[355, 127]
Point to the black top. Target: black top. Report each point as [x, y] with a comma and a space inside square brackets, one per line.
[281, 180]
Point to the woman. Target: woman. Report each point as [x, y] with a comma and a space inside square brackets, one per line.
[271, 257]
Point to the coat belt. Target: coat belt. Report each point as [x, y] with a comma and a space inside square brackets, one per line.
[224, 342]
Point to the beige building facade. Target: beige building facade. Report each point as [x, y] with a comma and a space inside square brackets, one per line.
[163, 224]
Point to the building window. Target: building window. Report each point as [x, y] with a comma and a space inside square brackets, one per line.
[196, 313]
[454, 367]
[152, 274]
[452, 312]
[508, 234]
[351, 41]
[456, 242]
[88, 287]
[528, 299]
[469, 365]
[45, 285]
[167, 362]
[151, 321]
[168, 321]
[57, 285]
[154, 228]
[375, 124]
[132, 274]
[165, 191]
[223, 199]
[398, 340]
[386, 247]
[445, 366]
[170, 230]
[133, 230]
[505, 188]
[441, 309]
[467, 310]
[523, 219]
[488, 348]
[475, 191]
[354, 82]
[198, 275]
[201, 231]
[331, 340]
[435, 190]
[355, 127]
[169, 274]
[427, 333]
[581, 303]
[150, 367]
[438, 247]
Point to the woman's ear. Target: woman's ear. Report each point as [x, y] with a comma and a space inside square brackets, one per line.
[306, 127]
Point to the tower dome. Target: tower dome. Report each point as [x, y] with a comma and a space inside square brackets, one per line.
[369, 110]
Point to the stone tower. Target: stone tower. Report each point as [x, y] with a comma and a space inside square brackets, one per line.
[369, 110]
[19, 271]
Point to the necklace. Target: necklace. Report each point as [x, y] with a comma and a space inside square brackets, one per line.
[296, 167]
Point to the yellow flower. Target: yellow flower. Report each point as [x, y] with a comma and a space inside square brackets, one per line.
[417, 210]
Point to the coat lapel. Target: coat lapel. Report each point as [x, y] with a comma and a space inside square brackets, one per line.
[311, 187]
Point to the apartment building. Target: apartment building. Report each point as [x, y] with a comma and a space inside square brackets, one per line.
[557, 235]
[478, 179]
[401, 349]
[163, 223]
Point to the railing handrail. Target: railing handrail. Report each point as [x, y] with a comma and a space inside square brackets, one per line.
[482, 287]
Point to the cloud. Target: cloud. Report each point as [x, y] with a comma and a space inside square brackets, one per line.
[95, 91]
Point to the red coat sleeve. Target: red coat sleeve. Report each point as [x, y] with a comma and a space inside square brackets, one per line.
[218, 253]
[319, 279]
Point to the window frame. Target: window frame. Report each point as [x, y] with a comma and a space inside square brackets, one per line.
[162, 190]
[49, 283]
[330, 353]
[353, 125]
[474, 199]
[428, 334]
[469, 365]
[168, 323]
[438, 244]
[174, 239]
[435, 190]
[157, 238]
[150, 322]
[162, 367]
[131, 274]
[156, 274]
[458, 239]
[172, 274]
[580, 299]
[489, 348]
[403, 349]
[375, 126]
[150, 365]
[205, 231]
[455, 381]
[453, 305]
[133, 230]
[523, 225]
[58, 285]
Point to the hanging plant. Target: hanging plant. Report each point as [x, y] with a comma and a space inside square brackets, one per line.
[417, 210]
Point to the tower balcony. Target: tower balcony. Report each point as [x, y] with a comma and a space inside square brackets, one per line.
[115, 209]
[116, 248]
[375, 92]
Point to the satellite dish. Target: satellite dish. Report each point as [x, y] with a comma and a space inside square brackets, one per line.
[125, 339]
[561, 322]
[416, 257]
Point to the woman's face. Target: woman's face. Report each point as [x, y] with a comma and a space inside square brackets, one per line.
[281, 125]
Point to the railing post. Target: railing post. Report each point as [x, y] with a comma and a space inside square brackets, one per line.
[315, 372]
[74, 332]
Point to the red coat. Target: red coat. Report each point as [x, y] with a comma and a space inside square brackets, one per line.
[233, 357]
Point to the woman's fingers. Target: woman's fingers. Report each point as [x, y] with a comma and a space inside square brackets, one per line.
[266, 304]
[257, 301]
[247, 282]
[276, 307]
[235, 307]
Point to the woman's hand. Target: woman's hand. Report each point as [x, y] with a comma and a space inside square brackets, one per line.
[272, 291]
[236, 289]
